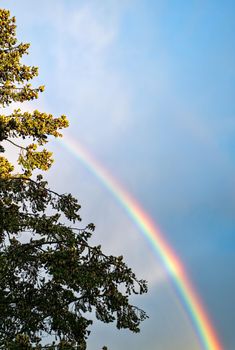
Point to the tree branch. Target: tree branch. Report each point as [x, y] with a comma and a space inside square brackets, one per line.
[16, 145]
[38, 244]
[16, 88]
[10, 49]
[22, 178]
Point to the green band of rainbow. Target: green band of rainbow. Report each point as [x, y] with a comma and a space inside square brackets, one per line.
[173, 265]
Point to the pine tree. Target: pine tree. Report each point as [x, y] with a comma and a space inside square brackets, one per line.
[51, 278]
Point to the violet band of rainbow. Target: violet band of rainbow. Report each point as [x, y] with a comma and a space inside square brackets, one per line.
[196, 311]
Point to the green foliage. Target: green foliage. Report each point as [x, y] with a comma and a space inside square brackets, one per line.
[15, 87]
[51, 278]
[14, 75]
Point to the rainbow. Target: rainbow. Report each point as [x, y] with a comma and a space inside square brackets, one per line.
[195, 310]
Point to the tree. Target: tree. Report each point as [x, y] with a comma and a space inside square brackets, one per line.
[51, 278]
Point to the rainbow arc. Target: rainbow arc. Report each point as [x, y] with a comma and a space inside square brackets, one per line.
[189, 298]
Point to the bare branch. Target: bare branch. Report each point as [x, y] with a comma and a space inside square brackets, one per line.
[16, 145]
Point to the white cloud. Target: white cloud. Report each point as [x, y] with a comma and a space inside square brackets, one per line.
[92, 33]
[93, 88]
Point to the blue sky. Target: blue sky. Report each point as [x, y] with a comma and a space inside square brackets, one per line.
[148, 87]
